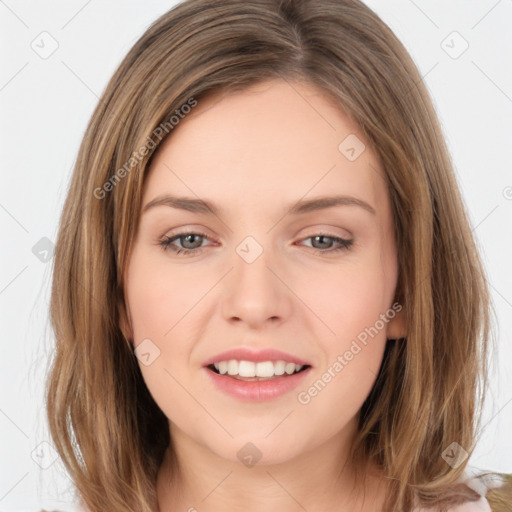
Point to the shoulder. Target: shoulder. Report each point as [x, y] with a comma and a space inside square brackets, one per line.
[482, 505]
[495, 492]
[499, 496]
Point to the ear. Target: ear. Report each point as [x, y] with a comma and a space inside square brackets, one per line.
[397, 326]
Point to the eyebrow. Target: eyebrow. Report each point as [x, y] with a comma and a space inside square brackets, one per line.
[301, 207]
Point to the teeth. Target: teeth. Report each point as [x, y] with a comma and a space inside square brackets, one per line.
[279, 367]
[222, 367]
[289, 368]
[232, 367]
[261, 369]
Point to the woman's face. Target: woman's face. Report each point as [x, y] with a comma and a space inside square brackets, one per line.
[272, 270]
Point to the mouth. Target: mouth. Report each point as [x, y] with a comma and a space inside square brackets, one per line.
[250, 371]
[266, 378]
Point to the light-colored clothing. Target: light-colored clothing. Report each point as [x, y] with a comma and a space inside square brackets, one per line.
[480, 485]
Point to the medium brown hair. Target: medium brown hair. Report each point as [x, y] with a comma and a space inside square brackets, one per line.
[107, 428]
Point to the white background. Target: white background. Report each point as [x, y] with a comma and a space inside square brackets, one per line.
[46, 103]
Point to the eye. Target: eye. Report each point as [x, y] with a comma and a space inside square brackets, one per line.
[188, 241]
[323, 242]
[192, 243]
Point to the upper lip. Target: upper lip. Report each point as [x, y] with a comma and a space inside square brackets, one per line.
[246, 354]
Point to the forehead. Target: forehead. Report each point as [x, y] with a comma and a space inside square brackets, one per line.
[277, 141]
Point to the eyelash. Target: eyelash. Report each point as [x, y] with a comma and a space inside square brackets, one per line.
[166, 243]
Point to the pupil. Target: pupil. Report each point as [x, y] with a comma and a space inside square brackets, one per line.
[322, 237]
[187, 237]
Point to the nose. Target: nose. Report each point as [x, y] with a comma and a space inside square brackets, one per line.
[255, 292]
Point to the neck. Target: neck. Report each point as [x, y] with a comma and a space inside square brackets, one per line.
[320, 479]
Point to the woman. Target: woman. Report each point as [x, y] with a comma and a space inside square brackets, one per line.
[260, 368]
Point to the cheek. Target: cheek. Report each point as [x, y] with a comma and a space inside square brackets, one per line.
[157, 298]
[348, 297]
[352, 357]
[354, 300]
[158, 303]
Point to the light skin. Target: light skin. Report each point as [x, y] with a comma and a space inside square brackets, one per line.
[255, 154]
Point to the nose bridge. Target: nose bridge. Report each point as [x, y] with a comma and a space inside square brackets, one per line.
[254, 293]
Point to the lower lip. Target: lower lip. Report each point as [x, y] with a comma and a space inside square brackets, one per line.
[257, 391]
